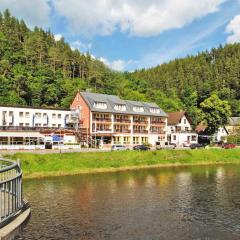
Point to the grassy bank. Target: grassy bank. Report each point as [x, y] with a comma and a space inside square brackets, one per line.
[40, 165]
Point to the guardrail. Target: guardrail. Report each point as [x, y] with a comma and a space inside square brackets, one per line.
[11, 198]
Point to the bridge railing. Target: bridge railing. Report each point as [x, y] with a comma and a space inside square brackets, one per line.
[11, 199]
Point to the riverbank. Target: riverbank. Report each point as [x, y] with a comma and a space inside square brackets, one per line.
[39, 165]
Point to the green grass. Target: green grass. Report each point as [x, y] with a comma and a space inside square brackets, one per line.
[40, 165]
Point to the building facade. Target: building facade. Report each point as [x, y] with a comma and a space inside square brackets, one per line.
[33, 125]
[107, 120]
[179, 130]
[233, 126]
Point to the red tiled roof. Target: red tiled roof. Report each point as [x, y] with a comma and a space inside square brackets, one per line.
[175, 117]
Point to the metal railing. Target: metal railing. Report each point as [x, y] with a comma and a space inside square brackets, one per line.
[11, 198]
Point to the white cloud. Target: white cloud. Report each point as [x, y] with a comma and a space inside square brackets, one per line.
[117, 65]
[233, 28]
[58, 37]
[34, 12]
[182, 48]
[84, 47]
[137, 17]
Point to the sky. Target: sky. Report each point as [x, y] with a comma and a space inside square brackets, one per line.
[134, 34]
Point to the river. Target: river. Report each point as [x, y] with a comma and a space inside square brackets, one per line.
[201, 203]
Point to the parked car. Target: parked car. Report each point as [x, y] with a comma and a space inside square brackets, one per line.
[165, 145]
[229, 145]
[141, 147]
[197, 145]
[119, 148]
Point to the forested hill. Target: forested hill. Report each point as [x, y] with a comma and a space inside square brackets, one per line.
[216, 71]
[39, 71]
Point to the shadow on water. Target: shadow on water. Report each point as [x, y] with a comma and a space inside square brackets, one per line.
[168, 203]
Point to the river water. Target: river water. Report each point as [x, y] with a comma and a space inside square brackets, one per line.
[200, 203]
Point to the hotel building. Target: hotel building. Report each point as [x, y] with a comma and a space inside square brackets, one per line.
[107, 120]
[34, 125]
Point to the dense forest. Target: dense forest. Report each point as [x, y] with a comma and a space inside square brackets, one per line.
[39, 71]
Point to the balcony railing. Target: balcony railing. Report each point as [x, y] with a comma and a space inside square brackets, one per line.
[157, 122]
[102, 119]
[157, 132]
[140, 122]
[140, 131]
[183, 131]
[122, 120]
[122, 131]
[24, 128]
[103, 130]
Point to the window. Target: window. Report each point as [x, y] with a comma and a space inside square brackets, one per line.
[54, 115]
[194, 138]
[27, 114]
[138, 109]
[54, 125]
[101, 105]
[161, 138]
[185, 120]
[186, 129]
[117, 140]
[126, 140]
[21, 124]
[120, 107]
[27, 124]
[154, 110]
[145, 140]
[20, 114]
[44, 115]
[174, 137]
[59, 116]
[135, 140]
[59, 125]
[38, 115]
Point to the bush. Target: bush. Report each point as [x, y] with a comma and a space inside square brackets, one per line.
[233, 139]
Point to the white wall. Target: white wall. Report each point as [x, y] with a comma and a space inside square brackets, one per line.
[220, 134]
[183, 124]
[33, 117]
[183, 137]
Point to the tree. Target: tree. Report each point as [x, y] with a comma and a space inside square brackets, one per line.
[216, 113]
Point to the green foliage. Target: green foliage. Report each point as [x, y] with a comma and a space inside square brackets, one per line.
[196, 78]
[233, 139]
[216, 112]
[37, 70]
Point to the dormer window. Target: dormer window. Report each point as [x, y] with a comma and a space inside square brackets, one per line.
[100, 105]
[138, 109]
[154, 110]
[120, 107]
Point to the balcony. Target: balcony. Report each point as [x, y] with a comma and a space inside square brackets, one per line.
[140, 122]
[122, 131]
[157, 132]
[161, 123]
[140, 131]
[102, 119]
[25, 128]
[183, 131]
[127, 121]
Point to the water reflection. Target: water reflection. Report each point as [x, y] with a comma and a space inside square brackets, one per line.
[170, 203]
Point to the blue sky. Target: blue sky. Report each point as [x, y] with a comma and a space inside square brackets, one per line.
[134, 34]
